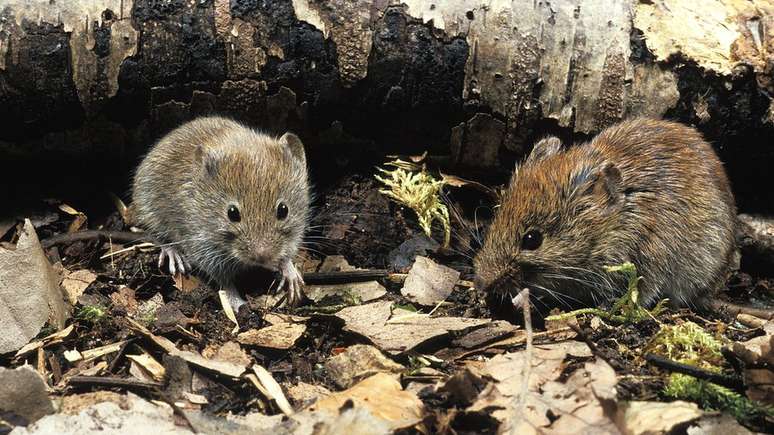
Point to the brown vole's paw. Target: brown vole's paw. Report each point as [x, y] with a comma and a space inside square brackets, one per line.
[177, 263]
[293, 281]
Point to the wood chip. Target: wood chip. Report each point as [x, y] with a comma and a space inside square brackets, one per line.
[266, 384]
[49, 340]
[224, 302]
[149, 365]
[278, 336]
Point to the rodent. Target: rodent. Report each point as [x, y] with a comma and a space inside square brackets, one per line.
[651, 192]
[224, 198]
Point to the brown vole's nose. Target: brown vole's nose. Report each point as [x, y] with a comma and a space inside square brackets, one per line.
[261, 257]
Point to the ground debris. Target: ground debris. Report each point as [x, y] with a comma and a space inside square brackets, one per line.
[428, 282]
[396, 331]
[22, 315]
[358, 362]
[23, 394]
[382, 396]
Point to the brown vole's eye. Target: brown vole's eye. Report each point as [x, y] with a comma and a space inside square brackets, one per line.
[233, 214]
[532, 240]
[282, 211]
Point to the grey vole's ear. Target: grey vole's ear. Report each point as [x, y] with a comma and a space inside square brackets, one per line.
[602, 180]
[545, 147]
[295, 146]
[208, 161]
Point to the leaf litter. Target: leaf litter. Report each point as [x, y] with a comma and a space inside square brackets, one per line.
[374, 363]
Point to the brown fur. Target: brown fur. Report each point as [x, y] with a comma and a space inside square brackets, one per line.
[647, 191]
[186, 183]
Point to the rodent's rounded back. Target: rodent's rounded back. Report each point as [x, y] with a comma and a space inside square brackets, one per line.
[651, 192]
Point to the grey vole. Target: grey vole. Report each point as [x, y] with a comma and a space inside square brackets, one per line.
[224, 198]
[647, 191]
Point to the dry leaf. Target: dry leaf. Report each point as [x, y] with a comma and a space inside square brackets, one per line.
[26, 267]
[428, 282]
[358, 362]
[97, 352]
[75, 283]
[640, 418]
[402, 333]
[383, 396]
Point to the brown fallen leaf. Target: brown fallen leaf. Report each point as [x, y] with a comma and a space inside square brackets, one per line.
[358, 362]
[403, 332]
[75, 283]
[278, 336]
[305, 394]
[26, 267]
[428, 282]
[640, 418]
[383, 396]
[79, 218]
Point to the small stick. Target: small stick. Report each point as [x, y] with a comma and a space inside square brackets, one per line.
[733, 383]
[523, 299]
[107, 381]
[345, 277]
[118, 236]
[119, 355]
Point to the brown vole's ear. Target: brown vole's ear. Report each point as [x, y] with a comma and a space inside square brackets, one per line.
[545, 147]
[208, 161]
[604, 180]
[294, 145]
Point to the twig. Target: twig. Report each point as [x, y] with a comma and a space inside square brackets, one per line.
[111, 253]
[523, 299]
[733, 383]
[117, 236]
[119, 355]
[735, 309]
[344, 277]
[108, 381]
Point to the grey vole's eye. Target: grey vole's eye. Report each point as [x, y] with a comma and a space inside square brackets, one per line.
[532, 240]
[233, 214]
[282, 211]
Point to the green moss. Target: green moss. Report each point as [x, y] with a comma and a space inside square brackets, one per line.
[91, 313]
[411, 185]
[627, 308]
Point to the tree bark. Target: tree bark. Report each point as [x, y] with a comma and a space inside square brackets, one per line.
[101, 79]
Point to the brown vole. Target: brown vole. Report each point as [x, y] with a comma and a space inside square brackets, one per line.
[646, 191]
[224, 198]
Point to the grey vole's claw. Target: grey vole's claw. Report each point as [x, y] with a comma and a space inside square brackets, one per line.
[175, 261]
[294, 280]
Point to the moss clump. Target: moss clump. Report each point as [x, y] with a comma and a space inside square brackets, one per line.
[91, 313]
[627, 308]
[689, 343]
[411, 185]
